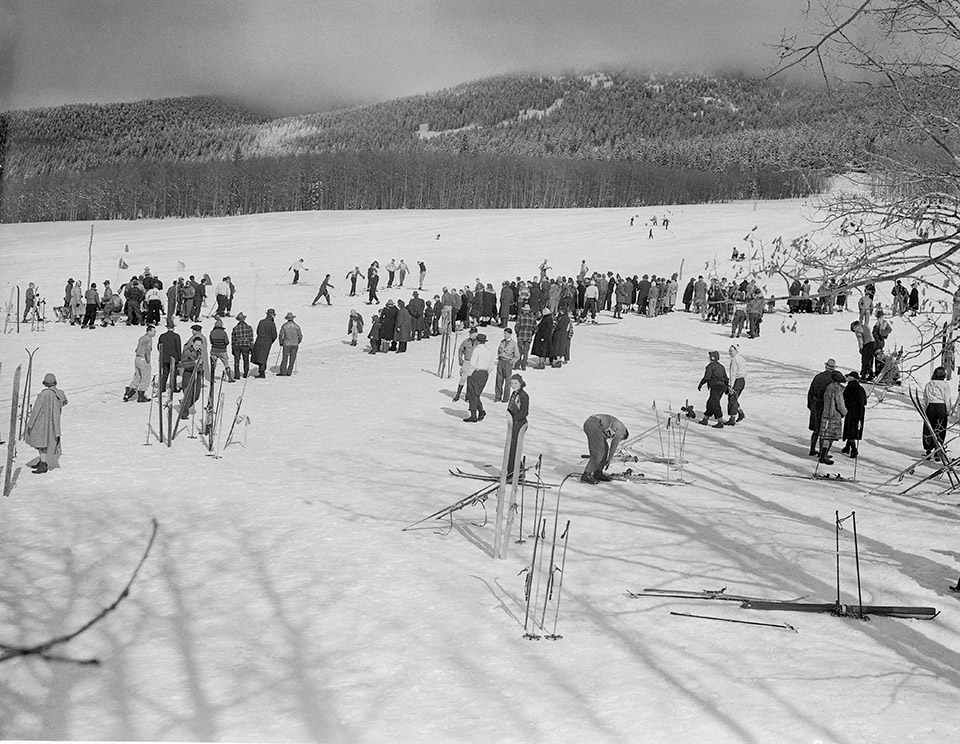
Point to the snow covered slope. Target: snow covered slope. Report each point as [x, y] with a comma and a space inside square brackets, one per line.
[282, 601]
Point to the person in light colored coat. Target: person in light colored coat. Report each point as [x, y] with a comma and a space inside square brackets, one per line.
[43, 427]
[290, 339]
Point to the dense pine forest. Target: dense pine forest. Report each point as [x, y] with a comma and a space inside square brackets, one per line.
[506, 142]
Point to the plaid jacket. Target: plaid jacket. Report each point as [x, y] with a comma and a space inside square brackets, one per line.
[242, 336]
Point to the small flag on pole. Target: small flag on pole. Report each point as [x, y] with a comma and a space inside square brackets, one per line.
[123, 264]
[181, 266]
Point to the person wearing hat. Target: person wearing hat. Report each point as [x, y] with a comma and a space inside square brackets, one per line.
[591, 295]
[219, 343]
[524, 329]
[266, 335]
[142, 376]
[855, 399]
[737, 376]
[478, 371]
[518, 406]
[388, 326]
[43, 427]
[170, 347]
[600, 428]
[717, 382]
[92, 298]
[464, 352]
[831, 419]
[290, 338]
[242, 340]
[542, 338]
[815, 393]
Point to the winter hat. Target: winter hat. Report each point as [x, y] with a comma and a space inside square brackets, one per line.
[481, 338]
[50, 380]
[196, 327]
[241, 316]
[218, 323]
[271, 312]
[830, 364]
[714, 356]
[853, 375]
[289, 316]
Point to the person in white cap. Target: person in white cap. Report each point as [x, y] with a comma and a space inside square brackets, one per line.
[290, 338]
[43, 426]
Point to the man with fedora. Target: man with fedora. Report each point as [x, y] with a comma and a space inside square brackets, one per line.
[170, 347]
[242, 340]
[818, 387]
[290, 338]
[478, 367]
[266, 335]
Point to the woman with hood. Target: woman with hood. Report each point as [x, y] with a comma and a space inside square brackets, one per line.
[717, 382]
[43, 426]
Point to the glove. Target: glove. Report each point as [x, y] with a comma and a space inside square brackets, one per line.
[699, 388]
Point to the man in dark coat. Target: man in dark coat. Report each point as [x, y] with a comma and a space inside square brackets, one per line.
[266, 335]
[560, 340]
[416, 308]
[643, 292]
[542, 338]
[388, 327]
[688, 296]
[818, 386]
[169, 346]
[855, 399]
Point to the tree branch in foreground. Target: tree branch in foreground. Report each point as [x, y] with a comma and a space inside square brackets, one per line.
[42, 650]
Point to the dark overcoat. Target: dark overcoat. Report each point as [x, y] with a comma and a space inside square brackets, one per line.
[855, 399]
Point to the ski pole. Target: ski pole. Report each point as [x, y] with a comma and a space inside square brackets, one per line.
[837, 531]
[563, 564]
[153, 381]
[784, 626]
[528, 583]
[856, 555]
[659, 433]
[548, 592]
[523, 486]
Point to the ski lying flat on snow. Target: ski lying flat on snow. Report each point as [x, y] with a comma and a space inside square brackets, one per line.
[836, 477]
[847, 609]
[707, 594]
[496, 478]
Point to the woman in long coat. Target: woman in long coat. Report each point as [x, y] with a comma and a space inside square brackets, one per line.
[831, 419]
[404, 327]
[266, 335]
[388, 327]
[855, 399]
[542, 338]
[43, 426]
[560, 339]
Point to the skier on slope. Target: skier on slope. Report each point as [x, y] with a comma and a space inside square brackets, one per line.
[297, 268]
[323, 291]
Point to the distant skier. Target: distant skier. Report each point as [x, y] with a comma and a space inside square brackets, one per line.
[373, 279]
[391, 272]
[604, 435]
[352, 276]
[297, 268]
[323, 291]
[402, 270]
[423, 272]
[43, 427]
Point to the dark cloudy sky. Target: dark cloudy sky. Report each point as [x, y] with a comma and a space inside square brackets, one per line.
[297, 56]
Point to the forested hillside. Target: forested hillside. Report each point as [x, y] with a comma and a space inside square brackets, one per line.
[510, 141]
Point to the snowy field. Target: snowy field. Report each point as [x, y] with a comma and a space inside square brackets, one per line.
[282, 601]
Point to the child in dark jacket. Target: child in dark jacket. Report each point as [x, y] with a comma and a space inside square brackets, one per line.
[715, 378]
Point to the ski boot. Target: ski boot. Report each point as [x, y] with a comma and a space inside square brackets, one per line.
[128, 393]
[142, 397]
